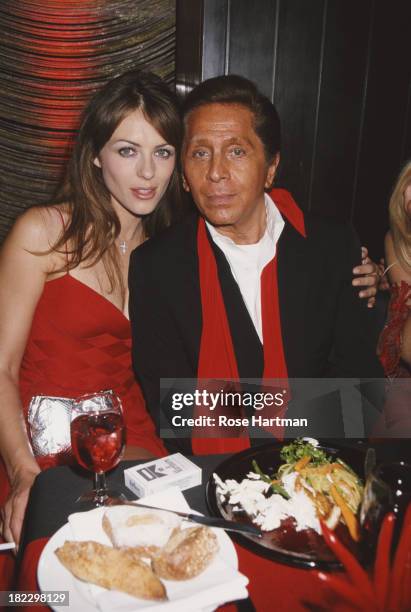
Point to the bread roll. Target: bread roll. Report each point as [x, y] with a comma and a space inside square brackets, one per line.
[111, 568]
[143, 529]
[187, 553]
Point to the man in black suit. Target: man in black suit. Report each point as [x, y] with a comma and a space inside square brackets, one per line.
[230, 157]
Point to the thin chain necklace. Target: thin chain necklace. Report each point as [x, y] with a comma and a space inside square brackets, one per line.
[123, 245]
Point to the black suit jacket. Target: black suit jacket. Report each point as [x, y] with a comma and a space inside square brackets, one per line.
[325, 326]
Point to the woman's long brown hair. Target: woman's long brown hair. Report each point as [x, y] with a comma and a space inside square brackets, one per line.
[93, 225]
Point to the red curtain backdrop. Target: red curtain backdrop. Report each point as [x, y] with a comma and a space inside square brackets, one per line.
[53, 55]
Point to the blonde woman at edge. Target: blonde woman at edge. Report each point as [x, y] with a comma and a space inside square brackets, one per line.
[395, 341]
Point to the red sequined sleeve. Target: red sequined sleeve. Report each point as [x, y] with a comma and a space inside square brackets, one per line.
[389, 344]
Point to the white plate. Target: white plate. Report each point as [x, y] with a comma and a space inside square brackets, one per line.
[53, 576]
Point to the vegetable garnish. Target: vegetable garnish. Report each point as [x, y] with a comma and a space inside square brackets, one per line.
[292, 453]
[259, 471]
[301, 463]
[276, 488]
[309, 486]
[349, 517]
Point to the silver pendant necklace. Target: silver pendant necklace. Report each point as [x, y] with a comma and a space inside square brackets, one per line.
[123, 247]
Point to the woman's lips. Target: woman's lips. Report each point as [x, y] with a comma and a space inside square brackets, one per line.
[144, 194]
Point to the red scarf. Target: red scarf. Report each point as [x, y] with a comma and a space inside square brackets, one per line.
[217, 358]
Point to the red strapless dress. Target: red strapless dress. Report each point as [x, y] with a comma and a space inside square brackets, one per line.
[80, 343]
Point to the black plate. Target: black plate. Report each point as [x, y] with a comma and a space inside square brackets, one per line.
[305, 549]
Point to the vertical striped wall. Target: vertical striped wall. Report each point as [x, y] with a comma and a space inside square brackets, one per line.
[53, 55]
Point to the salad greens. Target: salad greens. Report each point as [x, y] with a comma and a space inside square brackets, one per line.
[291, 453]
[332, 486]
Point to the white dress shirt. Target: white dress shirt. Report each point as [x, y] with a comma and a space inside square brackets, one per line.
[247, 261]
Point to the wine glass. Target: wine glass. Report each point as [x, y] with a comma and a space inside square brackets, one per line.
[98, 440]
[387, 489]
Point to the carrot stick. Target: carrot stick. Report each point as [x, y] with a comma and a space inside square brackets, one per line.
[336, 466]
[349, 517]
[301, 463]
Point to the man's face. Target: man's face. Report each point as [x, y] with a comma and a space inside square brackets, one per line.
[225, 167]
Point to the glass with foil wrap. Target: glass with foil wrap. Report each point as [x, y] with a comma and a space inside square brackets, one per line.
[98, 440]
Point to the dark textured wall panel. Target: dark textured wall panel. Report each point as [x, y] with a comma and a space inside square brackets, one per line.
[190, 48]
[296, 91]
[215, 36]
[343, 66]
[386, 138]
[252, 41]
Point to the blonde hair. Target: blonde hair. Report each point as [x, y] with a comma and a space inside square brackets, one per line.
[400, 218]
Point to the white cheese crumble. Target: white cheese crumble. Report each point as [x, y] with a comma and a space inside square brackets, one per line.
[311, 441]
[268, 512]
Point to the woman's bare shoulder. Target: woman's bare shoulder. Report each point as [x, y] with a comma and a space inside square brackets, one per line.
[33, 235]
[39, 227]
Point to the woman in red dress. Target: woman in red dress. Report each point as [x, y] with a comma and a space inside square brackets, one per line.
[64, 328]
[394, 346]
[395, 340]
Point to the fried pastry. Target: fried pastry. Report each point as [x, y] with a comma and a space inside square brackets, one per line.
[187, 553]
[111, 568]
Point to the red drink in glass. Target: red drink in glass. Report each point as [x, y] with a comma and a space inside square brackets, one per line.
[97, 440]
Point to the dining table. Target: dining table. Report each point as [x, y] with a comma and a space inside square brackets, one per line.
[272, 585]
